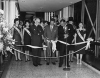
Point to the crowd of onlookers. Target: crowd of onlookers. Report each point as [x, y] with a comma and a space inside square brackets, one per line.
[39, 32]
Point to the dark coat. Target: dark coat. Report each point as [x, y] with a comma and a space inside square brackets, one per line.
[51, 35]
[36, 35]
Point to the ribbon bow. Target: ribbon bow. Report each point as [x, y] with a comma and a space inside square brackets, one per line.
[53, 45]
[88, 43]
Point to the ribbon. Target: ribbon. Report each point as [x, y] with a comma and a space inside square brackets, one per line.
[25, 29]
[47, 57]
[19, 32]
[63, 42]
[36, 47]
[53, 45]
[88, 43]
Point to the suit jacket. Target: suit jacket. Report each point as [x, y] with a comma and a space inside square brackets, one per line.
[71, 30]
[61, 33]
[51, 35]
[36, 35]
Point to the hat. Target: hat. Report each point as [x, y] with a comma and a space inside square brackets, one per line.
[70, 19]
[1, 11]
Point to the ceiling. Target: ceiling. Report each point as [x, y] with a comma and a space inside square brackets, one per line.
[44, 5]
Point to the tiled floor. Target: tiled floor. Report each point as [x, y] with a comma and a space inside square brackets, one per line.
[22, 69]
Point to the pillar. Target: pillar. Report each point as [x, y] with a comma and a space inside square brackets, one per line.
[83, 11]
[71, 10]
[49, 16]
[13, 12]
[65, 13]
[97, 51]
[45, 16]
[0, 4]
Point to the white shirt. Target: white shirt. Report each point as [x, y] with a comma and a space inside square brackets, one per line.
[51, 27]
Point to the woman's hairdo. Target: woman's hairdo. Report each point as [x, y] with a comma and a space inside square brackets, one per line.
[16, 19]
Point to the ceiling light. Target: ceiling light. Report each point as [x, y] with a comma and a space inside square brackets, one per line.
[23, 0]
[71, 2]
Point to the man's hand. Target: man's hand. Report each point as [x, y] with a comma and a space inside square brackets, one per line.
[65, 35]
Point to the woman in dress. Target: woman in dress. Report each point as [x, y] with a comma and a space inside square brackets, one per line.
[27, 39]
[80, 37]
[18, 38]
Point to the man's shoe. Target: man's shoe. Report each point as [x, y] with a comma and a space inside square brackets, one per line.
[68, 66]
[39, 64]
[35, 65]
[53, 63]
[60, 65]
[47, 63]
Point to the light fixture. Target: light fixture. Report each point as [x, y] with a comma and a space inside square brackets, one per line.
[23, 0]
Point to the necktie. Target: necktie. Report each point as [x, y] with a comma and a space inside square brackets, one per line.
[51, 27]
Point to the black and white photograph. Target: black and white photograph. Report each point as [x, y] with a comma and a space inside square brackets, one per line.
[49, 38]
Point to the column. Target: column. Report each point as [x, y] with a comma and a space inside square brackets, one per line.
[0, 4]
[66, 13]
[82, 12]
[60, 14]
[45, 16]
[63, 13]
[12, 12]
[7, 12]
[71, 10]
[16, 12]
[97, 50]
[49, 16]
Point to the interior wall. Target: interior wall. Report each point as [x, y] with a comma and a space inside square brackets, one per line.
[77, 13]
[40, 15]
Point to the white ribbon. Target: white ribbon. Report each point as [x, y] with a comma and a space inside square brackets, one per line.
[63, 42]
[88, 43]
[36, 47]
[44, 47]
[1, 11]
[53, 45]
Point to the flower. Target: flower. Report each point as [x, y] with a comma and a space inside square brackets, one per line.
[5, 29]
[1, 36]
[1, 46]
[6, 41]
[1, 11]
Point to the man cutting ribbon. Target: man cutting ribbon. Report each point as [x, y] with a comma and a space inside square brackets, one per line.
[50, 34]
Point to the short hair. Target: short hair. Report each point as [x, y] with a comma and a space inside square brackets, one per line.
[62, 20]
[46, 22]
[27, 21]
[16, 19]
[52, 20]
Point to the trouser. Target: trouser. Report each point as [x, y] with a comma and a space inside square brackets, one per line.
[37, 53]
[69, 40]
[62, 52]
[50, 53]
[67, 57]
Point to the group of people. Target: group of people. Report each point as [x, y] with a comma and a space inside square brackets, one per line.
[39, 32]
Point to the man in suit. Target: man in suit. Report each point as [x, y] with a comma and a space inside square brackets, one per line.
[71, 32]
[62, 35]
[50, 33]
[36, 40]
